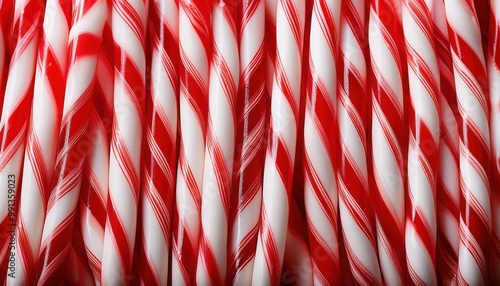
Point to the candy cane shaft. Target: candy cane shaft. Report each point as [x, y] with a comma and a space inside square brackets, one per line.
[94, 189]
[160, 158]
[41, 144]
[471, 84]
[423, 156]
[15, 115]
[246, 194]
[387, 86]
[356, 212]
[128, 25]
[194, 44]
[219, 150]
[448, 189]
[279, 162]
[320, 191]
[84, 44]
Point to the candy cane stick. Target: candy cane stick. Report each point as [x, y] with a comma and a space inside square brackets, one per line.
[320, 191]
[423, 115]
[279, 163]
[128, 24]
[223, 86]
[16, 114]
[388, 138]
[158, 184]
[494, 88]
[471, 84]
[354, 198]
[84, 41]
[94, 189]
[40, 153]
[246, 195]
[448, 189]
[194, 41]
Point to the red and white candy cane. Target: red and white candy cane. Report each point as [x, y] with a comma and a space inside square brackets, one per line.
[279, 162]
[471, 85]
[41, 141]
[160, 157]
[448, 188]
[423, 156]
[15, 115]
[388, 137]
[246, 194]
[94, 188]
[194, 43]
[320, 186]
[494, 88]
[84, 42]
[128, 25]
[353, 113]
[219, 150]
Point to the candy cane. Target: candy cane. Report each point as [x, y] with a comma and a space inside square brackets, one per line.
[320, 191]
[84, 42]
[279, 163]
[471, 84]
[388, 138]
[158, 185]
[128, 25]
[224, 76]
[94, 188]
[16, 114]
[354, 197]
[448, 189]
[423, 156]
[494, 88]
[194, 41]
[41, 146]
[246, 194]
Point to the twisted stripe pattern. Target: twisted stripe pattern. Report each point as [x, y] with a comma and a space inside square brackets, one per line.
[388, 138]
[16, 111]
[320, 190]
[246, 195]
[472, 99]
[279, 162]
[224, 77]
[160, 158]
[94, 188]
[65, 188]
[128, 25]
[353, 111]
[195, 48]
[423, 118]
[448, 189]
[40, 152]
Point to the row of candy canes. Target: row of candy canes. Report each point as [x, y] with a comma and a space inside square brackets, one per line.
[214, 200]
